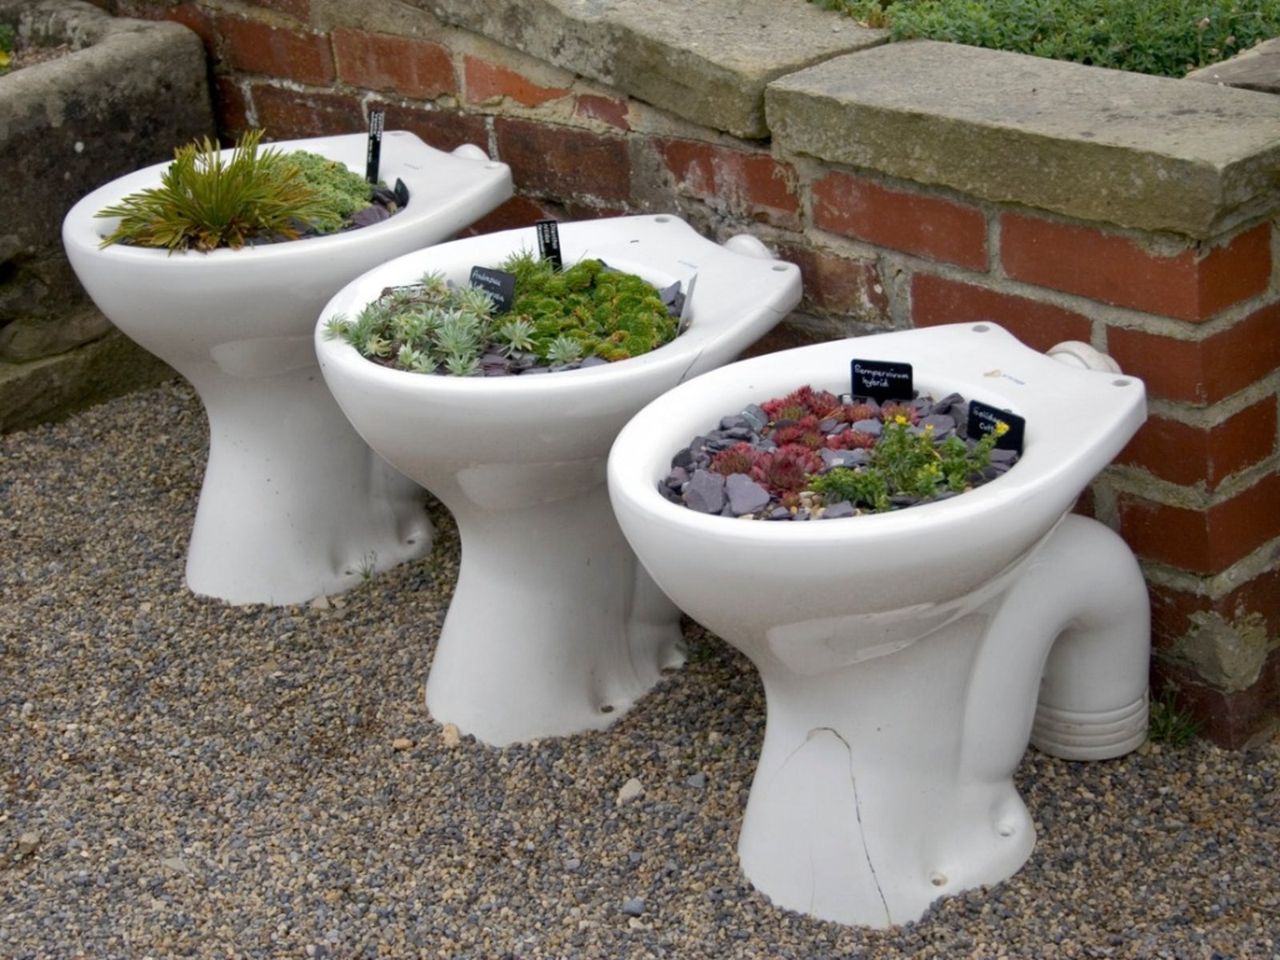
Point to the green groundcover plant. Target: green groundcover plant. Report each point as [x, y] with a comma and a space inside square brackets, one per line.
[1161, 37]
[207, 200]
[558, 319]
[6, 47]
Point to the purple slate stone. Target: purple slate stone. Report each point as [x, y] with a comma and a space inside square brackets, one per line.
[839, 510]
[593, 361]
[755, 417]
[942, 424]
[868, 426]
[779, 513]
[745, 495]
[705, 492]
[845, 458]
[682, 459]
[369, 216]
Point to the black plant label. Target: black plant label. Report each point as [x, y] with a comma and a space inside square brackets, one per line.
[374, 154]
[549, 243]
[984, 419]
[498, 284]
[882, 380]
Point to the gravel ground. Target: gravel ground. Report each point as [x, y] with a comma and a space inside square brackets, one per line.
[185, 778]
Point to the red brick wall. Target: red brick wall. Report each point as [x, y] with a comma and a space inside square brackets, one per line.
[1196, 494]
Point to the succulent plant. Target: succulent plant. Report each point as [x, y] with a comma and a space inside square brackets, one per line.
[557, 319]
[795, 456]
[206, 201]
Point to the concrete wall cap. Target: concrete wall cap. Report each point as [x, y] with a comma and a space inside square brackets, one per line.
[708, 62]
[1151, 153]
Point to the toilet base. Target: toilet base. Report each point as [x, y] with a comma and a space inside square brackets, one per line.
[554, 628]
[887, 783]
[294, 504]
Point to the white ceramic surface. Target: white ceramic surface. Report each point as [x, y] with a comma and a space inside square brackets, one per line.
[553, 628]
[902, 654]
[294, 504]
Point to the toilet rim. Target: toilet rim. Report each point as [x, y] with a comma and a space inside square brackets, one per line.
[1041, 486]
[405, 156]
[708, 326]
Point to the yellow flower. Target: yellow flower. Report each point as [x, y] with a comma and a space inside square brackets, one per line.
[900, 418]
[1001, 428]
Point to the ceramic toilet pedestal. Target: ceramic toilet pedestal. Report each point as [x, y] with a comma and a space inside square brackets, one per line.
[553, 628]
[293, 504]
[908, 657]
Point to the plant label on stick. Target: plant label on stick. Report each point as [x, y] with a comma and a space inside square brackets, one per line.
[498, 284]
[984, 419]
[374, 155]
[882, 380]
[549, 243]
[402, 194]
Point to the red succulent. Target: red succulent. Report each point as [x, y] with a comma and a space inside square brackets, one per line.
[851, 440]
[786, 469]
[736, 459]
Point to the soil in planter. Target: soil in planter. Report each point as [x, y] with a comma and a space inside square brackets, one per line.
[812, 455]
[587, 315]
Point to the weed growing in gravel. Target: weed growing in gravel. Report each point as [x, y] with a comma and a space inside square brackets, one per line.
[1170, 724]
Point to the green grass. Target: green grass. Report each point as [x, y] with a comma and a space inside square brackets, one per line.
[1161, 37]
[1170, 724]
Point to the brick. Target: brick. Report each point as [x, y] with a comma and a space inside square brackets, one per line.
[564, 162]
[1193, 284]
[229, 107]
[1185, 454]
[785, 336]
[916, 223]
[746, 184]
[1172, 609]
[261, 48]
[937, 300]
[616, 113]
[442, 129]
[490, 83]
[417, 69]
[288, 114]
[514, 213]
[1204, 371]
[194, 19]
[1231, 719]
[1202, 541]
[839, 285]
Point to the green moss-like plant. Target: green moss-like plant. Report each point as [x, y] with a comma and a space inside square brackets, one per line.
[6, 47]
[342, 191]
[206, 201]
[557, 319]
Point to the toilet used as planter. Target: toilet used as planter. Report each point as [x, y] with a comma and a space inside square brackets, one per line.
[294, 504]
[552, 628]
[908, 657]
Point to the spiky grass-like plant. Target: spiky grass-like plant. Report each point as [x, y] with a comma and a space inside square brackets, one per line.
[206, 200]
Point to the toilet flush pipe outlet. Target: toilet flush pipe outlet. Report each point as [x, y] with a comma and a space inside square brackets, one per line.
[1085, 594]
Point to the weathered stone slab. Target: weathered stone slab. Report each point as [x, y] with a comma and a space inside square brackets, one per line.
[1257, 68]
[48, 390]
[707, 61]
[1145, 152]
[130, 92]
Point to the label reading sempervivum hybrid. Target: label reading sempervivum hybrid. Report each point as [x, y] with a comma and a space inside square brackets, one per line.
[882, 380]
[498, 284]
[984, 418]
[374, 154]
[549, 243]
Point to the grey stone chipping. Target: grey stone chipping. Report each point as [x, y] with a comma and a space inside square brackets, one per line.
[186, 778]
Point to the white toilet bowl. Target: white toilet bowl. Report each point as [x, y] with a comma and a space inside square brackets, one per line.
[294, 504]
[906, 656]
[552, 629]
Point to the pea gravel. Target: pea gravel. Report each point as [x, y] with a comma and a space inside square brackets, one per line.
[186, 778]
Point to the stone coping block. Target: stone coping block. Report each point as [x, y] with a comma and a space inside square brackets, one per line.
[1257, 68]
[1150, 153]
[708, 61]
